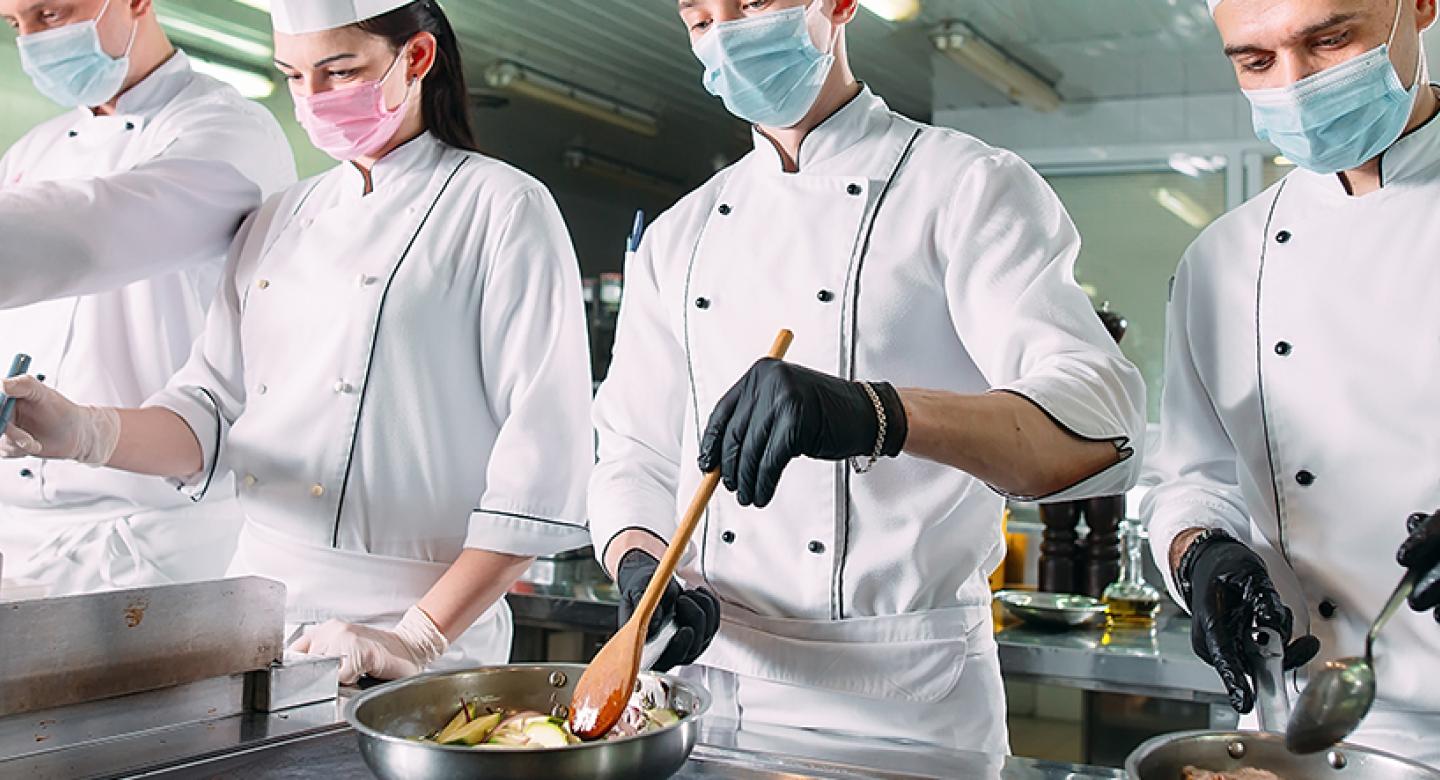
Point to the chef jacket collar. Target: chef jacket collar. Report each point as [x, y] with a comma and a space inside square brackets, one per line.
[151, 94]
[1413, 158]
[418, 154]
[863, 117]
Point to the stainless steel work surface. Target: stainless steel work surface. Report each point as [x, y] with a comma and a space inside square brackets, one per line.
[61, 651]
[574, 595]
[726, 753]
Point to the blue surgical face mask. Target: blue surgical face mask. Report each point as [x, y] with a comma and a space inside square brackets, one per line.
[767, 67]
[1341, 117]
[69, 66]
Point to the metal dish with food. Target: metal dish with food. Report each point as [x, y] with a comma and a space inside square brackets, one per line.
[1178, 756]
[1055, 610]
[394, 721]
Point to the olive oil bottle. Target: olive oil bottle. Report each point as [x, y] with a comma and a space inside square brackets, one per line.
[1131, 602]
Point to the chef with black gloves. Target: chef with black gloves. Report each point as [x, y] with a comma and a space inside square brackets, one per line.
[848, 575]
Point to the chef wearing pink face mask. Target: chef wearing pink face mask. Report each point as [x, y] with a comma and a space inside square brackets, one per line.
[395, 368]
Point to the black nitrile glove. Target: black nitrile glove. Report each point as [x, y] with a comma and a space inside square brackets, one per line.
[696, 612]
[1421, 553]
[779, 411]
[1231, 597]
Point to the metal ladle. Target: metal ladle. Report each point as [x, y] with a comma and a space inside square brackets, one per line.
[1341, 693]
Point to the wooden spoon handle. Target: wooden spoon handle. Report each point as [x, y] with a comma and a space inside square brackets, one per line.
[689, 521]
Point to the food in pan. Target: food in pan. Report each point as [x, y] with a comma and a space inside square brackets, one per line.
[1194, 773]
[489, 727]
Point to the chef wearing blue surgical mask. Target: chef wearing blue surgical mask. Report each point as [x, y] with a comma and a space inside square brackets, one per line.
[114, 221]
[1299, 429]
[942, 348]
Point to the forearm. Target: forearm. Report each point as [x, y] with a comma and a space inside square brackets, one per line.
[629, 540]
[472, 584]
[1180, 545]
[1002, 439]
[156, 441]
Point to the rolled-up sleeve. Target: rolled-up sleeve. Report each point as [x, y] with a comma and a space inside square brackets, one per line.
[1010, 278]
[639, 414]
[537, 383]
[1192, 472]
[208, 392]
[177, 209]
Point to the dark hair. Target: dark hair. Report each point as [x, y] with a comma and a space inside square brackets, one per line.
[446, 101]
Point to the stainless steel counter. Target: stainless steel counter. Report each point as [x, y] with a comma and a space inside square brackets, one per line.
[574, 595]
[726, 753]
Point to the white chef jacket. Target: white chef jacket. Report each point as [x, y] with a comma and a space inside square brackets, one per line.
[393, 377]
[114, 232]
[1299, 413]
[898, 252]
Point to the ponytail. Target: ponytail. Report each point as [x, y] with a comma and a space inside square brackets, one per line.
[445, 100]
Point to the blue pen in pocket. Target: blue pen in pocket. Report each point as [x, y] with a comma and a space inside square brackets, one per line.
[18, 366]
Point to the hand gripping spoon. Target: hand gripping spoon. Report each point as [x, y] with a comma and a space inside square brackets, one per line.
[605, 687]
[1339, 696]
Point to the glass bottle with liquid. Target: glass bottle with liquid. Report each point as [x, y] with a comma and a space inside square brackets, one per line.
[1131, 602]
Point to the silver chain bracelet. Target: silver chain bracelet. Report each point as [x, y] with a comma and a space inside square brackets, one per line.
[879, 439]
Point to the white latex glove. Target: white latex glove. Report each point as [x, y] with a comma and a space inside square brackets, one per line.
[403, 651]
[49, 425]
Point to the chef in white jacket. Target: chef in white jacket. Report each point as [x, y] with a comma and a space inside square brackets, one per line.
[395, 367]
[1298, 422]
[857, 599]
[114, 221]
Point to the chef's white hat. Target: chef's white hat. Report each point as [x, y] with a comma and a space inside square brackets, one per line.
[1213, 3]
[296, 17]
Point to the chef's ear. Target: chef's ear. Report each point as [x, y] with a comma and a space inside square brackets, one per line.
[1424, 14]
[420, 55]
[139, 8]
[845, 10]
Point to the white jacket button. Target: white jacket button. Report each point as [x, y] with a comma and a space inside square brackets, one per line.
[249, 480]
[317, 490]
[261, 389]
[342, 387]
[263, 284]
[816, 547]
[366, 280]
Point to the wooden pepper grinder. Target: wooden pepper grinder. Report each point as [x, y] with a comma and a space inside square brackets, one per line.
[1059, 553]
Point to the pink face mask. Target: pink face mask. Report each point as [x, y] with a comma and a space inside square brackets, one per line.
[351, 123]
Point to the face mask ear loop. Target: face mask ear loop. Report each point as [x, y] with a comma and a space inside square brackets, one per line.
[834, 28]
[409, 84]
[134, 29]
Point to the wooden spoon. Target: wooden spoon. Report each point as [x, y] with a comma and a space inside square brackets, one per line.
[604, 689]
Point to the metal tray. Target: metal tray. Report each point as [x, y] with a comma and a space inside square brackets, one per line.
[1055, 610]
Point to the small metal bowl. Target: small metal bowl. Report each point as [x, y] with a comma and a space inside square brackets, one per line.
[389, 719]
[1052, 610]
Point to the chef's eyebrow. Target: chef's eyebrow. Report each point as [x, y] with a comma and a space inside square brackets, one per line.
[321, 63]
[1335, 20]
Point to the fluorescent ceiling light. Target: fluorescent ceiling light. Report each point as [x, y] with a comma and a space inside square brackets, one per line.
[617, 170]
[960, 42]
[1184, 207]
[253, 85]
[259, 5]
[1194, 165]
[893, 10]
[521, 80]
[243, 46]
